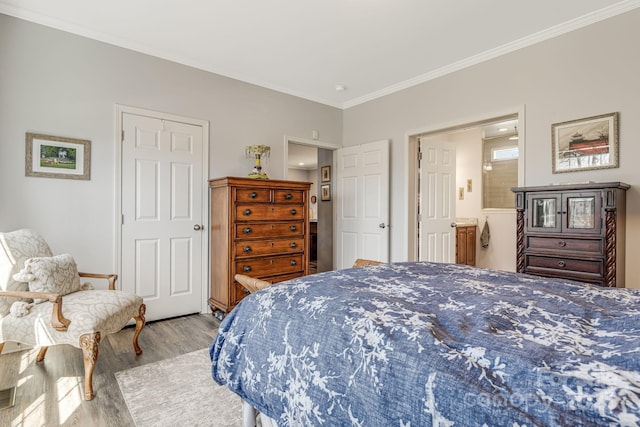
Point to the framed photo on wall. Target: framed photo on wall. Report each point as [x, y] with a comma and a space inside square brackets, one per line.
[589, 143]
[325, 173]
[57, 157]
[325, 192]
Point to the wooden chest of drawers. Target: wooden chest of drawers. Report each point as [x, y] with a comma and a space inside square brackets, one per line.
[259, 228]
[572, 231]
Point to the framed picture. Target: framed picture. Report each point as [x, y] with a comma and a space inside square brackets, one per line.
[313, 199]
[589, 143]
[56, 157]
[325, 192]
[325, 174]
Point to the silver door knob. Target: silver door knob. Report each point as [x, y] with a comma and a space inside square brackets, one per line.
[454, 225]
[198, 227]
[382, 225]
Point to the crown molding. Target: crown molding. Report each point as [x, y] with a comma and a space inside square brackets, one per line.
[555, 31]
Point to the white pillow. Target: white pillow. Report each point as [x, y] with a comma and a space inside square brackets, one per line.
[50, 274]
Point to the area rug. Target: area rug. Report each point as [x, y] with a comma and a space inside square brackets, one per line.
[179, 392]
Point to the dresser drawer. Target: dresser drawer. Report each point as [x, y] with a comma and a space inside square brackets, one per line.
[288, 196]
[568, 266]
[252, 195]
[268, 212]
[268, 247]
[278, 229]
[269, 266]
[560, 244]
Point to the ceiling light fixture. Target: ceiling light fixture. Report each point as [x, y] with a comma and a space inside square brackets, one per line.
[340, 88]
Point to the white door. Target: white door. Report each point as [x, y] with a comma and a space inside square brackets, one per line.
[437, 240]
[362, 203]
[162, 214]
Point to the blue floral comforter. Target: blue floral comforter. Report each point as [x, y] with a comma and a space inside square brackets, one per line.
[426, 344]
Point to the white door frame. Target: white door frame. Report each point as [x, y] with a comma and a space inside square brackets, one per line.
[119, 111]
[410, 148]
[304, 141]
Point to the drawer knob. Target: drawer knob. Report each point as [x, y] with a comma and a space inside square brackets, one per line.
[246, 291]
[247, 268]
[288, 196]
[253, 195]
[562, 243]
[293, 228]
[293, 211]
[561, 263]
[294, 262]
[294, 245]
[247, 212]
[247, 230]
[247, 249]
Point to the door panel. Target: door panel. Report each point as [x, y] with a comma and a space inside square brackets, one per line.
[362, 203]
[437, 202]
[162, 187]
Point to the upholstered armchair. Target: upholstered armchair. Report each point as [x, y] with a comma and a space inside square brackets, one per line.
[43, 303]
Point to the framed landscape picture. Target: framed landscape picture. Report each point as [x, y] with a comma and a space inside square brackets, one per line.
[589, 143]
[57, 157]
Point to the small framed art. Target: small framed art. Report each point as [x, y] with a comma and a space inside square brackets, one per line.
[325, 192]
[57, 157]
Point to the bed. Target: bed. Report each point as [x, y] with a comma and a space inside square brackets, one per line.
[430, 344]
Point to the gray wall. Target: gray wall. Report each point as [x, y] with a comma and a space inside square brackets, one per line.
[591, 71]
[56, 83]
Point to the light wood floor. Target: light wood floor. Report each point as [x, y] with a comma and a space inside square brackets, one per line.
[50, 393]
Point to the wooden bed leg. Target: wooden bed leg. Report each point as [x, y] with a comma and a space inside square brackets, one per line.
[140, 322]
[1, 346]
[41, 354]
[89, 345]
[248, 415]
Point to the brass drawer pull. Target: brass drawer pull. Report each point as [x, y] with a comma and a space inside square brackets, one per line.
[247, 268]
[293, 228]
[247, 212]
[562, 243]
[293, 211]
[293, 245]
[253, 195]
[294, 262]
[247, 230]
[288, 196]
[561, 264]
[247, 249]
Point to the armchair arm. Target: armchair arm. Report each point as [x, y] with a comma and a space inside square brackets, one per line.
[58, 321]
[111, 277]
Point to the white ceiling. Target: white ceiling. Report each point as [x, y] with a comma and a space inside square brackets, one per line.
[308, 47]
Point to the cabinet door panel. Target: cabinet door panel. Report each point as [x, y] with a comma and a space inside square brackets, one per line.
[581, 211]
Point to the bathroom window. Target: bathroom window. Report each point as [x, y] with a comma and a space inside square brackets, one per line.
[499, 172]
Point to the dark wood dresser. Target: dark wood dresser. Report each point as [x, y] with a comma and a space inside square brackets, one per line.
[572, 231]
[259, 228]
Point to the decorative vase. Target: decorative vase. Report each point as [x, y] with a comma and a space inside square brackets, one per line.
[258, 152]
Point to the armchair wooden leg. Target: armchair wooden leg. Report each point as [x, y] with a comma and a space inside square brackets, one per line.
[140, 322]
[1, 346]
[41, 354]
[89, 345]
